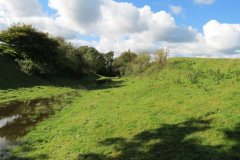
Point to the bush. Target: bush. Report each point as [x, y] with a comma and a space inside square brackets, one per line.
[69, 59]
[139, 64]
[121, 63]
[161, 56]
[29, 67]
[25, 43]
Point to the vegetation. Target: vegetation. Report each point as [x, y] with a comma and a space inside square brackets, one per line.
[38, 53]
[161, 56]
[138, 65]
[177, 108]
[121, 63]
[34, 50]
[186, 111]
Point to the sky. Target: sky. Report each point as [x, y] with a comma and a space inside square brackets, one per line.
[189, 28]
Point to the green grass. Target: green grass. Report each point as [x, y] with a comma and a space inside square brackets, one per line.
[189, 111]
[23, 94]
[12, 78]
[15, 85]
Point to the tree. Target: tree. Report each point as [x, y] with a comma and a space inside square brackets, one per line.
[94, 60]
[109, 58]
[139, 64]
[26, 42]
[125, 58]
[143, 59]
[69, 58]
[121, 62]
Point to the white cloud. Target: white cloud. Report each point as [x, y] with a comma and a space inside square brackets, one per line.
[176, 9]
[199, 48]
[218, 40]
[82, 15]
[30, 12]
[140, 29]
[121, 18]
[123, 26]
[21, 8]
[222, 37]
[78, 42]
[204, 1]
[52, 26]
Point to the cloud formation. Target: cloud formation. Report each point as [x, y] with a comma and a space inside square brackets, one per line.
[80, 14]
[121, 26]
[19, 8]
[222, 37]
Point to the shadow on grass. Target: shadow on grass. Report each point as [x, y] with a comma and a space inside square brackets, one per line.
[8, 155]
[12, 78]
[234, 135]
[169, 142]
[88, 82]
[39, 157]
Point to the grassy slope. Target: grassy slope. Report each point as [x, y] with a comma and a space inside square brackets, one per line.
[188, 111]
[15, 85]
[11, 77]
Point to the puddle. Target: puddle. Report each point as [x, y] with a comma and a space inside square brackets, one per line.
[17, 118]
[3, 143]
[5, 121]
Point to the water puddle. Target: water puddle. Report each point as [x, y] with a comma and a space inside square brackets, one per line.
[3, 143]
[5, 121]
[17, 118]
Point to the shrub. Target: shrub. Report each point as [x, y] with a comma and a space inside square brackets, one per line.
[26, 43]
[161, 56]
[218, 76]
[195, 76]
[121, 63]
[139, 64]
[29, 67]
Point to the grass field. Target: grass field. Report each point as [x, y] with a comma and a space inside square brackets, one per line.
[188, 111]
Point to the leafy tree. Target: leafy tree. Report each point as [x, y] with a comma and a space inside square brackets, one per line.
[26, 42]
[94, 60]
[121, 62]
[38, 53]
[125, 58]
[6, 50]
[139, 64]
[142, 59]
[69, 58]
[109, 58]
[83, 49]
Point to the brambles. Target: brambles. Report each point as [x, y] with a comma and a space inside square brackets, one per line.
[195, 76]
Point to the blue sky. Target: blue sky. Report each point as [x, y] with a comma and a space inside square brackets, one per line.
[196, 15]
[199, 28]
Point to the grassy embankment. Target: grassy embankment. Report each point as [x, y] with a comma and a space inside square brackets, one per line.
[190, 110]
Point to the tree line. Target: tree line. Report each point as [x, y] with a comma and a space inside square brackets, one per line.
[39, 53]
